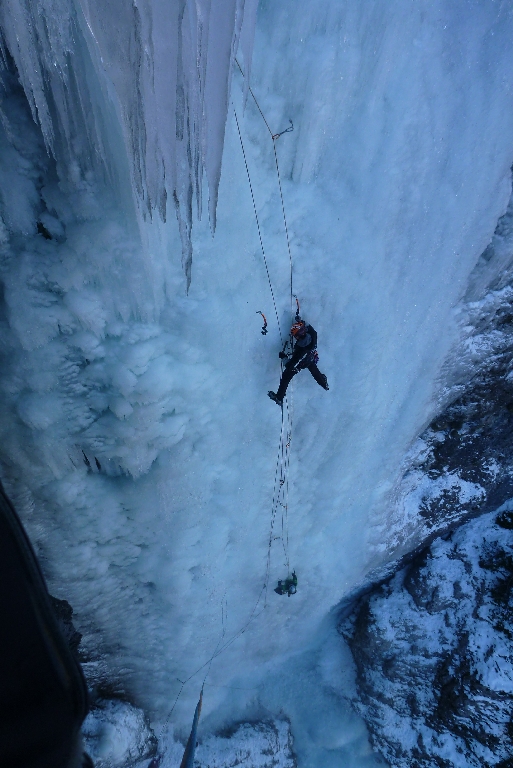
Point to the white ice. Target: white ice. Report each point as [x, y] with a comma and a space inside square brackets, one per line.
[393, 180]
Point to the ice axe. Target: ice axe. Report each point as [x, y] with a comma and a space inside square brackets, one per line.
[264, 327]
[298, 310]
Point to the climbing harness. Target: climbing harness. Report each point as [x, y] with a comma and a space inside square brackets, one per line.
[313, 357]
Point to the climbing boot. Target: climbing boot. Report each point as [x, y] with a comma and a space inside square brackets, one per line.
[274, 397]
[324, 384]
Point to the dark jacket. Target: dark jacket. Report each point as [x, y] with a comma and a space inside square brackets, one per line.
[302, 347]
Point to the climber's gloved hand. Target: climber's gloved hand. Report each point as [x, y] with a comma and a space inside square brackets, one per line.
[283, 356]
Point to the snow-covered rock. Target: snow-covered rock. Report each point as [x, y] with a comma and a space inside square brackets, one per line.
[117, 735]
[261, 745]
[434, 652]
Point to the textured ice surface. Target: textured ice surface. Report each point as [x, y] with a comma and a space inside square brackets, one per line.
[137, 438]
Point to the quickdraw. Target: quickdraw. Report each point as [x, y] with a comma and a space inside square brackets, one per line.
[275, 136]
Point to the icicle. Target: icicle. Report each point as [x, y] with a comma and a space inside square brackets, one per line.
[153, 77]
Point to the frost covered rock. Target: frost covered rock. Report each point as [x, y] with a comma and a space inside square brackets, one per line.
[117, 735]
[461, 464]
[434, 652]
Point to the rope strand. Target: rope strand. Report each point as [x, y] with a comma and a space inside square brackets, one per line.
[275, 137]
[281, 475]
[286, 227]
[257, 222]
[254, 98]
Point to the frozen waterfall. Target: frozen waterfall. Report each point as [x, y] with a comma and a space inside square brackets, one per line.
[137, 441]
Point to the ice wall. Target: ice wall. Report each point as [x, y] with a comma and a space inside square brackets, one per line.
[393, 180]
[153, 75]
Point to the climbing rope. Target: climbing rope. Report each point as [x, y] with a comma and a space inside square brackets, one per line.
[285, 505]
[281, 480]
[275, 137]
[284, 220]
[219, 650]
[281, 475]
[280, 498]
[257, 222]
[277, 501]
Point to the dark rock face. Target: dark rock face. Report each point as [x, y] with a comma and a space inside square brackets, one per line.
[434, 652]
[64, 614]
[117, 734]
[474, 440]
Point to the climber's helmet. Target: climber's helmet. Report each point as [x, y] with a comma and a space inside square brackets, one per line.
[298, 329]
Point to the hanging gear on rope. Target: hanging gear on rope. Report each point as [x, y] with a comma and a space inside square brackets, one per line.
[264, 327]
[281, 492]
[288, 586]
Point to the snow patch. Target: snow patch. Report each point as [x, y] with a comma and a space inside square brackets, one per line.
[116, 734]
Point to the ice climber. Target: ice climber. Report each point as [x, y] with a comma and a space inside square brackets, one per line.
[287, 587]
[304, 355]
